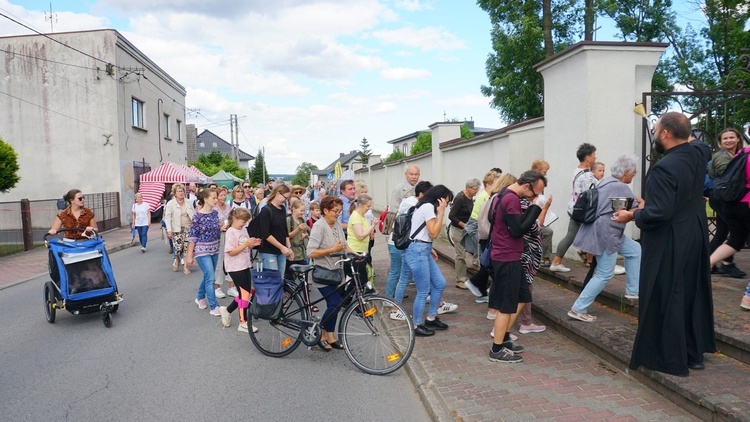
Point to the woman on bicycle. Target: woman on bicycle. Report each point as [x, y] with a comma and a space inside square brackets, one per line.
[426, 223]
[327, 237]
[204, 248]
[276, 247]
[74, 216]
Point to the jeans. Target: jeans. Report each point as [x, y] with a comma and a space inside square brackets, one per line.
[328, 321]
[142, 234]
[427, 278]
[394, 271]
[207, 264]
[273, 262]
[605, 269]
[404, 277]
[747, 292]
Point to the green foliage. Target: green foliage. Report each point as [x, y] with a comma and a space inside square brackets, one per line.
[8, 167]
[302, 177]
[466, 133]
[210, 164]
[364, 152]
[424, 143]
[394, 156]
[518, 41]
[259, 173]
[639, 20]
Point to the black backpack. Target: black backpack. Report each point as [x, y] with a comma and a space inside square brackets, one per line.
[730, 186]
[402, 236]
[584, 210]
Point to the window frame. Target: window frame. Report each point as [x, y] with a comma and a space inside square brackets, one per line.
[138, 113]
[167, 132]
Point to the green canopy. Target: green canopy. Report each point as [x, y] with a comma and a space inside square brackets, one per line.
[223, 178]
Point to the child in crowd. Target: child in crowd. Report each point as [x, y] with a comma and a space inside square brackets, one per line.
[237, 246]
[314, 214]
[298, 235]
[598, 170]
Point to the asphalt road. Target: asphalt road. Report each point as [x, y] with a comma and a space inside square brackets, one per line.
[166, 360]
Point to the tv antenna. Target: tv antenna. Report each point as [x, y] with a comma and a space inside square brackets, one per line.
[52, 18]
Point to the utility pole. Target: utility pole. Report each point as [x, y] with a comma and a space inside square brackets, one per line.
[232, 134]
[52, 18]
[237, 138]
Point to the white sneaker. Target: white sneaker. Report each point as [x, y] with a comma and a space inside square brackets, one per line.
[143, 249]
[227, 277]
[447, 307]
[201, 303]
[243, 328]
[398, 316]
[232, 291]
[560, 268]
[482, 299]
[472, 288]
[226, 317]
[491, 315]
[619, 270]
[513, 337]
[215, 312]
[631, 296]
[219, 294]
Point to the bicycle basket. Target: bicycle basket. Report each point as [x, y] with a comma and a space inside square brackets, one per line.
[266, 303]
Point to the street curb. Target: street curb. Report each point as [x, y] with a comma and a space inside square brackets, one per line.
[434, 403]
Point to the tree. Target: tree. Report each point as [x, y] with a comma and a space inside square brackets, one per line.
[424, 143]
[302, 177]
[395, 155]
[523, 34]
[213, 162]
[8, 167]
[364, 152]
[466, 133]
[259, 173]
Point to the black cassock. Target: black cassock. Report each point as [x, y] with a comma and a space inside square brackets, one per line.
[675, 316]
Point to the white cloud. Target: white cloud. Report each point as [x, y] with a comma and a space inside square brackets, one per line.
[386, 107]
[404, 73]
[413, 5]
[426, 39]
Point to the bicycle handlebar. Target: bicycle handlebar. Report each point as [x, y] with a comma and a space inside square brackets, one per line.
[71, 229]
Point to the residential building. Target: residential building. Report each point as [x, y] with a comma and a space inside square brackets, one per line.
[406, 142]
[207, 142]
[87, 110]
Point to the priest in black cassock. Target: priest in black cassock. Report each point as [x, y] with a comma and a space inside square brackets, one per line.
[675, 316]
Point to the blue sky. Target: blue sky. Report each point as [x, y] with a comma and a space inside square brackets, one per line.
[308, 78]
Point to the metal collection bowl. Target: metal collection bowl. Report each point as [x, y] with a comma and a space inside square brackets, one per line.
[619, 203]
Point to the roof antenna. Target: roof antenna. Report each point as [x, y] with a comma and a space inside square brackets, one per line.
[52, 18]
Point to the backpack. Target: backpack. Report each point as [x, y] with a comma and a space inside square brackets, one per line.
[584, 209]
[382, 227]
[253, 228]
[402, 236]
[731, 185]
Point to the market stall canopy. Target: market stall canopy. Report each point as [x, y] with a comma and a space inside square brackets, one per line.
[222, 176]
[201, 176]
[152, 193]
[170, 173]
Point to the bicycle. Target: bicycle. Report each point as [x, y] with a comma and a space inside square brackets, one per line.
[375, 343]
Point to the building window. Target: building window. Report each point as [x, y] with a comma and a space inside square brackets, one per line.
[215, 145]
[202, 144]
[138, 113]
[405, 149]
[179, 131]
[166, 126]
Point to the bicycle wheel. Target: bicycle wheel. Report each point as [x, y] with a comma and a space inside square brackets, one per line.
[448, 235]
[279, 338]
[373, 341]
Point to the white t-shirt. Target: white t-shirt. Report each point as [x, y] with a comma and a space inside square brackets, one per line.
[141, 214]
[424, 213]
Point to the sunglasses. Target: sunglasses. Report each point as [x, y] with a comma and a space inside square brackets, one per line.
[246, 187]
[80, 198]
[298, 192]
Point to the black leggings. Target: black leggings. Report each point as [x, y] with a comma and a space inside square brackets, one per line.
[738, 219]
[242, 280]
[722, 227]
[481, 277]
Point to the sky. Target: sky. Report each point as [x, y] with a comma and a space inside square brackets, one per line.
[308, 79]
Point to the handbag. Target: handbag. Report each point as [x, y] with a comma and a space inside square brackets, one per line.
[485, 259]
[322, 275]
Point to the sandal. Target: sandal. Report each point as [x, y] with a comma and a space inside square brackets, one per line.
[336, 345]
[186, 270]
[175, 265]
[582, 255]
[322, 345]
[585, 317]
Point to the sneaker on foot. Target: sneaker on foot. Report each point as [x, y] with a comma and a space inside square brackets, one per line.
[513, 347]
[398, 316]
[732, 271]
[482, 299]
[143, 249]
[232, 291]
[461, 285]
[472, 288]
[560, 268]
[491, 316]
[215, 312]
[631, 296]
[201, 303]
[745, 304]
[242, 327]
[505, 356]
[226, 317]
[219, 294]
[447, 307]
[512, 336]
[531, 328]
[422, 331]
[435, 324]
[619, 270]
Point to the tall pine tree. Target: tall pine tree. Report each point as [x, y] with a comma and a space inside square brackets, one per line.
[259, 172]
